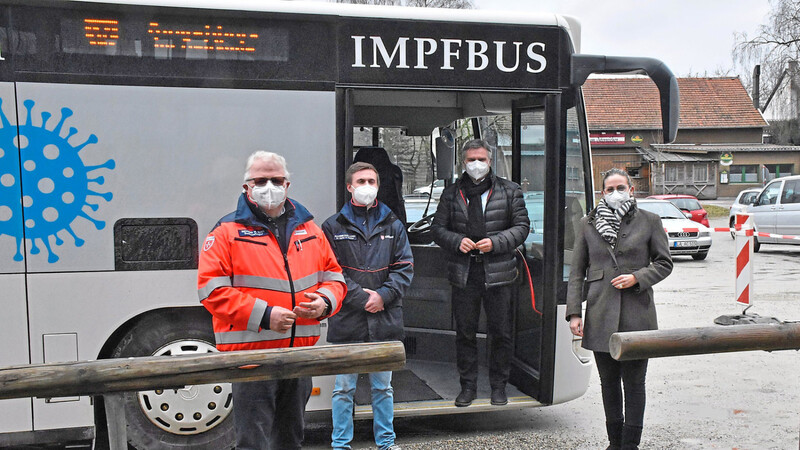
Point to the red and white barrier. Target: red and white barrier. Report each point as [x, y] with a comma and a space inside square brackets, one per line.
[744, 232]
[744, 254]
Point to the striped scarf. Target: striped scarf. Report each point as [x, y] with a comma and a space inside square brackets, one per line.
[607, 220]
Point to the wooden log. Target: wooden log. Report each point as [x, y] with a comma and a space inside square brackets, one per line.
[157, 372]
[696, 341]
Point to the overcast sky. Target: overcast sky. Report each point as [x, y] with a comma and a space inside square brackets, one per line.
[690, 36]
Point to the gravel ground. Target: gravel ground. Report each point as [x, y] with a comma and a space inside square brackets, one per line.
[746, 400]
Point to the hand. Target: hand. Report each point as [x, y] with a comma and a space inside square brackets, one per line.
[375, 302]
[624, 281]
[281, 319]
[313, 309]
[576, 325]
[466, 245]
[484, 245]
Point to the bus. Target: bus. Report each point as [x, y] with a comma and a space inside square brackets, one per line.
[124, 127]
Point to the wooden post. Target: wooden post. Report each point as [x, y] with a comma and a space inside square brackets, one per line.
[154, 372]
[696, 341]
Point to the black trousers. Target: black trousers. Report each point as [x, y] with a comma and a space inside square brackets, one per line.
[632, 375]
[269, 414]
[467, 310]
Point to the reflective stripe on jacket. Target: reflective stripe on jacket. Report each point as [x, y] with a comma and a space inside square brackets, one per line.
[243, 271]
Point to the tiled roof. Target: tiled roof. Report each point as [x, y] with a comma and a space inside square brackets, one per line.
[628, 103]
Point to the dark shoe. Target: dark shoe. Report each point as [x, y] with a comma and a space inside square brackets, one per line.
[466, 397]
[631, 435]
[499, 397]
[614, 429]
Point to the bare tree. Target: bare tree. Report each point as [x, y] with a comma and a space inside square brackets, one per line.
[776, 48]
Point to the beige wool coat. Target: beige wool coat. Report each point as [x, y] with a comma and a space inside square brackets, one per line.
[642, 249]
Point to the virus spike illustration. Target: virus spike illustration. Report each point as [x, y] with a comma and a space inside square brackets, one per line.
[72, 132]
[45, 117]
[66, 113]
[53, 185]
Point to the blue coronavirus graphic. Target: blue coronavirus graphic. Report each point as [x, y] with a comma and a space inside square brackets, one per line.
[55, 183]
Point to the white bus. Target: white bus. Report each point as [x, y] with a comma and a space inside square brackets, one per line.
[124, 128]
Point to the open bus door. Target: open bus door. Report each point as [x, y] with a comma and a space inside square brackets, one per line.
[525, 129]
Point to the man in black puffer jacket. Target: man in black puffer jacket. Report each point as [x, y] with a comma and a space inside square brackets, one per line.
[480, 221]
[372, 247]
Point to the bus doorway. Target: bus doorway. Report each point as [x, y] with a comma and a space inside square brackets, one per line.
[422, 131]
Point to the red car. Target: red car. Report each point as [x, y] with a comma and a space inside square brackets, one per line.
[687, 203]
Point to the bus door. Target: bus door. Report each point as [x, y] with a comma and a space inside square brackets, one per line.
[15, 414]
[549, 160]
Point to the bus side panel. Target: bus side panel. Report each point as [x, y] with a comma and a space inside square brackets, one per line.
[177, 153]
[15, 414]
[167, 152]
[107, 300]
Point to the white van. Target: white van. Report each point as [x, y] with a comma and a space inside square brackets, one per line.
[777, 211]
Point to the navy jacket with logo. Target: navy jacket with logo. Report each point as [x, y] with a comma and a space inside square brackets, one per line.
[372, 247]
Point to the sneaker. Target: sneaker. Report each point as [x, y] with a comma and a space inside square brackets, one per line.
[393, 447]
[499, 397]
[466, 397]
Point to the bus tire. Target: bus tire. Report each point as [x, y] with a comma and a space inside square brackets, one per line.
[178, 331]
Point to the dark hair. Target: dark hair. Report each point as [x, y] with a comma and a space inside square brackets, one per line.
[358, 167]
[616, 171]
[475, 144]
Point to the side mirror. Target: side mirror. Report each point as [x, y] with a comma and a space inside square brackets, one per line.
[445, 154]
[687, 214]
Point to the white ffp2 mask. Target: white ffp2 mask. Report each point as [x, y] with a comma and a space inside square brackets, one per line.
[616, 198]
[477, 169]
[269, 196]
[365, 195]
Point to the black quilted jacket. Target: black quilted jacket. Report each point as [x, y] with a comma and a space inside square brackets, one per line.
[507, 225]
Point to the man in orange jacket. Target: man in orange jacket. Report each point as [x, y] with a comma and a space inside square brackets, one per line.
[268, 276]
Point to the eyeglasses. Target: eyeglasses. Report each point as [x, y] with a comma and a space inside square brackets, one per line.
[620, 188]
[262, 181]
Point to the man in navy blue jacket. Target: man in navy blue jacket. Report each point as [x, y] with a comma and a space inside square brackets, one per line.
[372, 247]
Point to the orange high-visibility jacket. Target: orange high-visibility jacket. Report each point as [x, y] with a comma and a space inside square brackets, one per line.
[243, 272]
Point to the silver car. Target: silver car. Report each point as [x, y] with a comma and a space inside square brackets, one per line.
[686, 237]
[776, 210]
[743, 200]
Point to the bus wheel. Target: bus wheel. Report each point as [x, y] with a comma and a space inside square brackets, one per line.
[195, 417]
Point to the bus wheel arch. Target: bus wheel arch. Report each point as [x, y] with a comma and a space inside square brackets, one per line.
[204, 409]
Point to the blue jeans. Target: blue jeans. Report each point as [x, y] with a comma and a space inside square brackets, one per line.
[382, 409]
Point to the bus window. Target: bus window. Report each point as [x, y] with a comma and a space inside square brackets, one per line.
[575, 199]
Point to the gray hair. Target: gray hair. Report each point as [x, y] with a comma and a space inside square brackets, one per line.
[475, 144]
[262, 155]
[615, 171]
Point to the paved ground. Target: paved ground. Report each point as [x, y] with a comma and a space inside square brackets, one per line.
[748, 400]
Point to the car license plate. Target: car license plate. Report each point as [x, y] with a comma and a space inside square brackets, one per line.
[684, 244]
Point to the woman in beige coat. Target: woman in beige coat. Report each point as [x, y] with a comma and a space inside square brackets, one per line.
[620, 253]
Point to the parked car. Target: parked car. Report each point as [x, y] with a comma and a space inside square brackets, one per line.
[686, 237]
[686, 203]
[776, 210]
[438, 187]
[743, 200]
